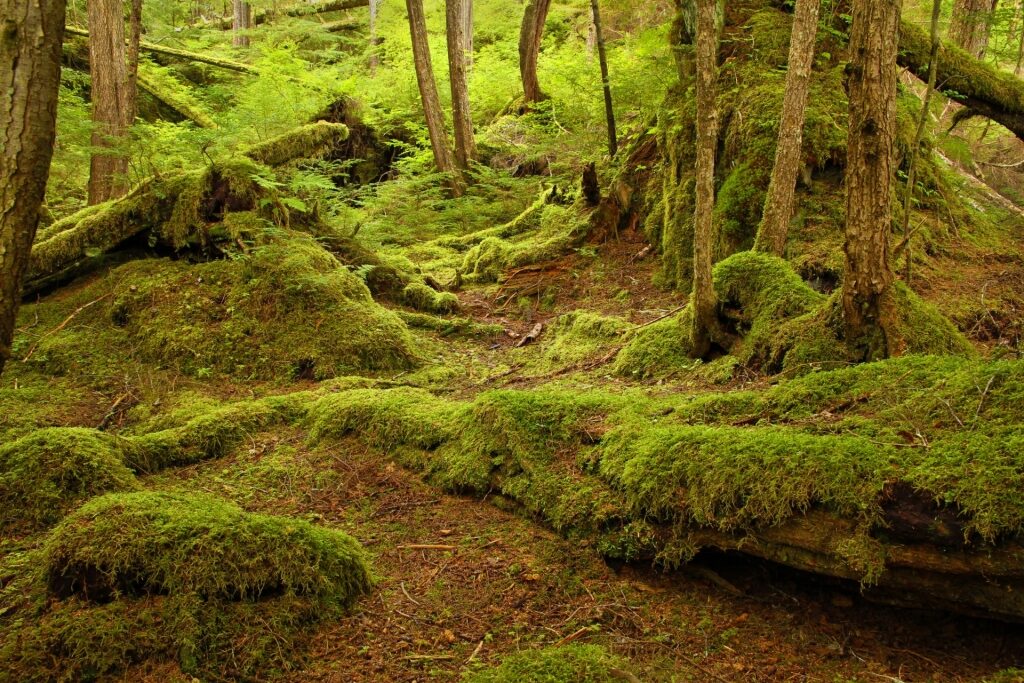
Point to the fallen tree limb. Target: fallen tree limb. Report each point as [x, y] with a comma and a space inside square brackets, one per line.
[180, 54]
[189, 110]
[263, 16]
[984, 89]
[174, 208]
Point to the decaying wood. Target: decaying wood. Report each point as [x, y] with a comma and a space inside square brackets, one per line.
[983, 581]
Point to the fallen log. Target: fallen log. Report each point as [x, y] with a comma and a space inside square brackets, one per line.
[983, 88]
[145, 46]
[263, 16]
[173, 208]
[149, 82]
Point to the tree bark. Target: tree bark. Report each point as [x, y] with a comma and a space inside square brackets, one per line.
[704, 302]
[111, 102]
[443, 158]
[868, 305]
[972, 24]
[465, 145]
[602, 57]
[134, 42]
[374, 57]
[241, 23]
[530, 37]
[31, 34]
[778, 204]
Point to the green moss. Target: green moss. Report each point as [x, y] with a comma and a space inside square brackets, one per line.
[425, 298]
[738, 206]
[451, 326]
[306, 142]
[769, 31]
[578, 336]
[154, 577]
[285, 309]
[560, 230]
[659, 349]
[180, 544]
[44, 474]
[570, 663]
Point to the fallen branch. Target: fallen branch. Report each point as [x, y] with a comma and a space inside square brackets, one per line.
[153, 48]
[62, 326]
[983, 88]
[263, 16]
[426, 546]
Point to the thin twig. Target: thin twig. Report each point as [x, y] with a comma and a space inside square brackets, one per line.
[62, 325]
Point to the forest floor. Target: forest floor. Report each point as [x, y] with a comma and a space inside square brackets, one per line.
[465, 581]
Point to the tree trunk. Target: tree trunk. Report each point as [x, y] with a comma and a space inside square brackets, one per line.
[374, 58]
[428, 92]
[465, 145]
[111, 102]
[868, 306]
[241, 23]
[530, 37]
[609, 111]
[971, 25]
[467, 31]
[704, 302]
[922, 123]
[31, 34]
[134, 43]
[778, 205]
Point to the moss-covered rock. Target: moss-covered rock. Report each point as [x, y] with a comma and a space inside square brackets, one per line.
[155, 577]
[568, 664]
[47, 472]
[659, 349]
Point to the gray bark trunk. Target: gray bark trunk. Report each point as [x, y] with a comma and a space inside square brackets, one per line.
[778, 204]
[465, 145]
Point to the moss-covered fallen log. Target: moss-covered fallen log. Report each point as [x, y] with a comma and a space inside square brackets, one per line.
[153, 48]
[983, 88]
[175, 208]
[149, 81]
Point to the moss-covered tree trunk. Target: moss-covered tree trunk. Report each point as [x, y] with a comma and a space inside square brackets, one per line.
[111, 102]
[972, 24]
[778, 204]
[530, 36]
[31, 34]
[458, 63]
[705, 316]
[868, 305]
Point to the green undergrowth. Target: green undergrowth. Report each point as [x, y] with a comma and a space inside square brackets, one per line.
[570, 663]
[145, 577]
[284, 309]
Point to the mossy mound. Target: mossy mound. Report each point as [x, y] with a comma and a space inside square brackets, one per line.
[578, 336]
[285, 309]
[658, 350]
[45, 473]
[148, 577]
[568, 664]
